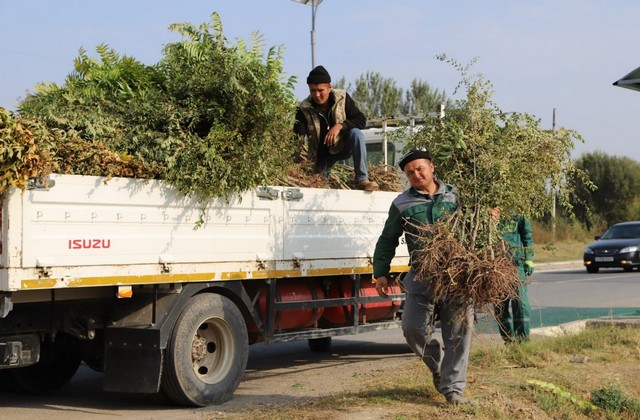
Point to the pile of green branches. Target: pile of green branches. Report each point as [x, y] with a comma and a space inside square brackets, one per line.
[212, 118]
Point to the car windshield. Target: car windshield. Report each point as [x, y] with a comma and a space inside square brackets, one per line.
[622, 232]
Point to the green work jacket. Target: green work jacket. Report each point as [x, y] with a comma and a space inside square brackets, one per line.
[408, 211]
[518, 234]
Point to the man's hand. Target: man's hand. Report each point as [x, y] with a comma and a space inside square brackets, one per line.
[495, 213]
[382, 286]
[332, 135]
[528, 267]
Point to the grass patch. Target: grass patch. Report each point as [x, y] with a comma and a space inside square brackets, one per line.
[567, 244]
[567, 250]
[539, 379]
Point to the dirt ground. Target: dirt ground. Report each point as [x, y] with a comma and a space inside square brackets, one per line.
[287, 374]
[291, 373]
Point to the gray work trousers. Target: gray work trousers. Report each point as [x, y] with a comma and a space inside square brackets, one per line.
[456, 326]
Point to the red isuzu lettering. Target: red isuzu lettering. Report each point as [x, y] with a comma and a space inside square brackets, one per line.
[89, 243]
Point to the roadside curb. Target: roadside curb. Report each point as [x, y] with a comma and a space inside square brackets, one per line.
[576, 327]
[568, 328]
[560, 265]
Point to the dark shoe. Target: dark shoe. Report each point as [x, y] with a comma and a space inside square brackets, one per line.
[367, 185]
[456, 398]
[437, 380]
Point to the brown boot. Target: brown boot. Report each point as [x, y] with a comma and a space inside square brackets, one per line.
[367, 185]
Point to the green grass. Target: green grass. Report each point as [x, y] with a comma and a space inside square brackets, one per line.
[536, 379]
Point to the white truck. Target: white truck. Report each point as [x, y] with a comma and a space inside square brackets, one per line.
[118, 273]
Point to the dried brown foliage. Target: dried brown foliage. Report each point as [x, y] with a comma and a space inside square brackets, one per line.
[301, 174]
[82, 157]
[20, 156]
[462, 275]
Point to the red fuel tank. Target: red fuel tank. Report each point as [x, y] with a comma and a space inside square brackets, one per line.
[374, 311]
[292, 292]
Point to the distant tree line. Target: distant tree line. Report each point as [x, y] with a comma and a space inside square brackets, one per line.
[378, 96]
[617, 194]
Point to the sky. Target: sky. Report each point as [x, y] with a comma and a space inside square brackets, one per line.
[539, 55]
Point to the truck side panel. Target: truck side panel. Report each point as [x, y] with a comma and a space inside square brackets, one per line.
[89, 231]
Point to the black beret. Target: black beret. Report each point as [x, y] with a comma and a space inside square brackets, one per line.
[413, 155]
[318, 75]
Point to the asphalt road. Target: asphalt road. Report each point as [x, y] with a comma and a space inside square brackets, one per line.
[290, 371]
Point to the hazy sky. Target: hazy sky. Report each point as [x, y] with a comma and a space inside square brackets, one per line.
[539, 55]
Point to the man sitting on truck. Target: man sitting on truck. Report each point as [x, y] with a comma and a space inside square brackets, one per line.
[425, 202]
[332, 123]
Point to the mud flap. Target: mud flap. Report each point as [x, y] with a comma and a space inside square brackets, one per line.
[133, 360]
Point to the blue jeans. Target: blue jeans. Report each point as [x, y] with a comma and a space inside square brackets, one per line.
[355, 147]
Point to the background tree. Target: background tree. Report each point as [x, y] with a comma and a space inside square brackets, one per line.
[616, 198]
[420, 98]
[341, 83]
[376, 95]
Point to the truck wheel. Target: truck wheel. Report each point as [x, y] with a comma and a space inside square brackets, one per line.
[207, 352]
[59, 361]
[320, 344]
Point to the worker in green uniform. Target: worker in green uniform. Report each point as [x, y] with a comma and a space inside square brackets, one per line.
[513, 315]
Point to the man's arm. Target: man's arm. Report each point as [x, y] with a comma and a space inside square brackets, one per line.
[354, 117]
[526, 235]
[386, 250]
[300, 126]
[387, 243]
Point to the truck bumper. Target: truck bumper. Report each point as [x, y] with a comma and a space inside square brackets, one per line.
[19, 350]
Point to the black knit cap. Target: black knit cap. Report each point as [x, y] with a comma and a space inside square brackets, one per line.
[413, 155]
[318, 75]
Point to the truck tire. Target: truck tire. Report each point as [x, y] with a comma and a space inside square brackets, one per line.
[59, 362]
[207, 352]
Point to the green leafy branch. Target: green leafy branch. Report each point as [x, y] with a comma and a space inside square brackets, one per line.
[564, 394]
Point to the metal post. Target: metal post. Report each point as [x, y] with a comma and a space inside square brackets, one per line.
[384, 143]
[553, 192]
[314, 7]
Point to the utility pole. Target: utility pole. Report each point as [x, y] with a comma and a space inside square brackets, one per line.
[314, 7]
[553, 191]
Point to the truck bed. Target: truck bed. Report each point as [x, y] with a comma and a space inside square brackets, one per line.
[91, 231]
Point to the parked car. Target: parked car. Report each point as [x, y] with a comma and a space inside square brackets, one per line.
[618, 247]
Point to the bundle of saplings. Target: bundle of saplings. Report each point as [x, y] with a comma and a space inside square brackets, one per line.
[495, 159]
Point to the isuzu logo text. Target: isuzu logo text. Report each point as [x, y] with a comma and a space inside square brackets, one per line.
[89, 243]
